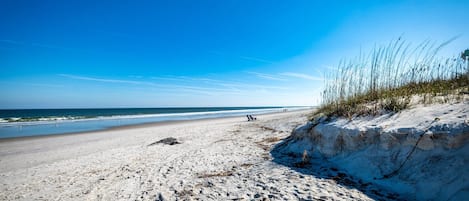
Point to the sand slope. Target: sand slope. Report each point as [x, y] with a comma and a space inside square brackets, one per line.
[422, 152]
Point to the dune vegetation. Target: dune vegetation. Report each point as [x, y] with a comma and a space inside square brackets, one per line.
[391, 77]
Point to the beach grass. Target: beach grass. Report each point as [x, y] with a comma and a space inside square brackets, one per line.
[391, 76]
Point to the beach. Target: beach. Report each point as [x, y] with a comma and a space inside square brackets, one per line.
[234, 100]
[217, 159]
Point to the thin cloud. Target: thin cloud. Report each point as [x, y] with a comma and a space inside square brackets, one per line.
[197, 79]
[45, 85]
[252, 86]
[76, 77]
[178, 79]
[267, 76]
[185, 79]
[302, 76]
[206, 79]
[219, 87]
[224, 86]
[167, 86]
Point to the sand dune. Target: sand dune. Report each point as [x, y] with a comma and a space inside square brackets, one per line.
[421, 152]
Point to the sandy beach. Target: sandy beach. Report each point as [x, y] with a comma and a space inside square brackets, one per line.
[218, 159]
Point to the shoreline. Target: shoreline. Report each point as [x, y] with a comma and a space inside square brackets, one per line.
[64, 118]
[138, 125]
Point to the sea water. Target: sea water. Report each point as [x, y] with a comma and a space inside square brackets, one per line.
[36, 122]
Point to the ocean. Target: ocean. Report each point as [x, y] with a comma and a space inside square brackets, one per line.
[37, 122]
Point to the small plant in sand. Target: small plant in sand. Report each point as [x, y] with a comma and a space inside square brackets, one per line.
[304, 160]
[391, 76]
[305, 157]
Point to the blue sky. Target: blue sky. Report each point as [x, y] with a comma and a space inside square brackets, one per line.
[74, 54]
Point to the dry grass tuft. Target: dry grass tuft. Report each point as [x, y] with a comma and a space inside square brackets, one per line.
[272, 139]
[246, 165]
[388, 78]
[269, 140]
[223, 140]
[263, 146]
[217, 174]
[269, 128]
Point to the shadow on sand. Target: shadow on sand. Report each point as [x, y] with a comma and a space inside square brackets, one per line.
[320, 167]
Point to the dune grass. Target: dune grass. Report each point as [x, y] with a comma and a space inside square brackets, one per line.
[389, 78]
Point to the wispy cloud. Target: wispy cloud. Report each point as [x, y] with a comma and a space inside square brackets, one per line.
[189, 88]
[267, 76]
[212, 87]
[177, 79]
[185, 79]
[302, 76]
[101, 79]
[252, 86]
[45, 85]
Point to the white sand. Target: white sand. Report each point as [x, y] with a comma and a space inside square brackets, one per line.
[219, 159]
